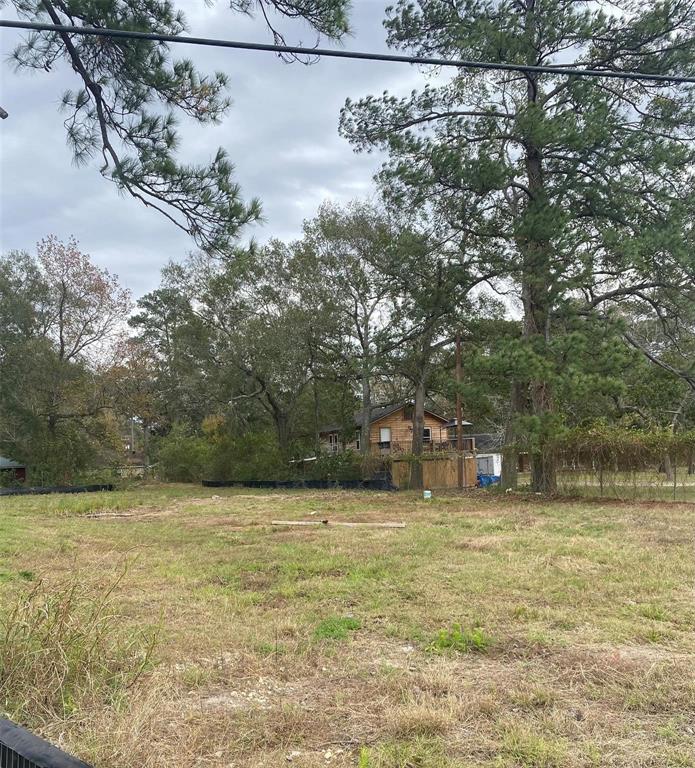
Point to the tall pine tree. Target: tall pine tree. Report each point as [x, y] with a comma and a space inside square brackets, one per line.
[582, 185]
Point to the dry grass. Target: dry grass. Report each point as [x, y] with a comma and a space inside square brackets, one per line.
[319, 647]
[62, 651]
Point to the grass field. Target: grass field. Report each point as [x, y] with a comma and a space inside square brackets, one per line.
[491, 631]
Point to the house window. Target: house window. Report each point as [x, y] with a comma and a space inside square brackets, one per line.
[333, 442]
[357, 440]
[427, 434]
[385, 435]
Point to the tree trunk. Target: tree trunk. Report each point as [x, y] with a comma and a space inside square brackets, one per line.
[536, 252]
[543, 459]
[667, 466]
[365, 417]
[544, 471]
[282, 426]
[145, 448]
[510, 451]
[416, 474]
[317, 426]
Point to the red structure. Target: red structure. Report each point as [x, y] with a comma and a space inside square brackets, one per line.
[12, 471]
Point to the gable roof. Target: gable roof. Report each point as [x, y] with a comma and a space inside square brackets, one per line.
[379, 412]
[10, 464]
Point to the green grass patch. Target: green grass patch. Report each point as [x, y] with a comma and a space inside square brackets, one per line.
[336, 628]
[462, 640]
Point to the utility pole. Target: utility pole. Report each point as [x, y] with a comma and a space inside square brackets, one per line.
[459, 416]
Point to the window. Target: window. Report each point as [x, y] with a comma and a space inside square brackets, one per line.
[357, 439]
[427, 434]
[385, 435]
[333, 442]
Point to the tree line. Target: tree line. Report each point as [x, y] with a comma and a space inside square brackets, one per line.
[546, 218]
[245, 358]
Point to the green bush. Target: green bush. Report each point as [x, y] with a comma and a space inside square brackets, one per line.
[248, 456]
[348, 465]
[181, 456]
[336, 466]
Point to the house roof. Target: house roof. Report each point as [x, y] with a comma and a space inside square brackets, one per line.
[10, 464]
[464, 423]
[378, 412]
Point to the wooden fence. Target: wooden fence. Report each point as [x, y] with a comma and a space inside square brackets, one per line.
[437, 472]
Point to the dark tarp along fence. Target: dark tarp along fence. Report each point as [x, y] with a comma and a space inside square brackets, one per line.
[55, 489]
[380, 482]
[21, 749]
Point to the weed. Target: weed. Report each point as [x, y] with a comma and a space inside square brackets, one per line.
[61, 647]
[416, 753]
[654, 612]
[522, 748]
[532, 697]
[459, 639]
[26, 575]
[336, 628]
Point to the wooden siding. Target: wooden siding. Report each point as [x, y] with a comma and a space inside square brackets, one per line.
[401, 433]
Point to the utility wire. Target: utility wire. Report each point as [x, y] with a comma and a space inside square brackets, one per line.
[338, 54]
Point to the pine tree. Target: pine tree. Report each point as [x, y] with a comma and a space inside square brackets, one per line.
[123, 112]
[583, 186]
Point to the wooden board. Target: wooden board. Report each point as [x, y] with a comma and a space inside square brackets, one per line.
[335, 522]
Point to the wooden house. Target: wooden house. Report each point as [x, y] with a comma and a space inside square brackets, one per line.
[391, 431]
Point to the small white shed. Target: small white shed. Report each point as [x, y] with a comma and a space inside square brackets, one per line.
[488, 453]
[489, 463]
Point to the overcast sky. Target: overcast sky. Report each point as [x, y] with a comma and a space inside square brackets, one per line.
[281, 134]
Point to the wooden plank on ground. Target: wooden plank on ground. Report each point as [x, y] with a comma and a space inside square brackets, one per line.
[344, 525]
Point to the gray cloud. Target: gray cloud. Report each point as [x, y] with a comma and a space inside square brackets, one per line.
[281, 134]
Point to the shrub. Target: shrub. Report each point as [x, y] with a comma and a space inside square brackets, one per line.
[461, 640]
[348, 465]
[62, 649]
[248, 456]
[181, 456]
[337, 466]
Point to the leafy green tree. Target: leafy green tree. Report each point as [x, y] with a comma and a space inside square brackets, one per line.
[350, 256]
[261, 337]
[132, 377]
[187, 379]
[61, 317]
[581, 186]
[123, 110]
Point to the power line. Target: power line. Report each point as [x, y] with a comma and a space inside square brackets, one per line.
[338, 54]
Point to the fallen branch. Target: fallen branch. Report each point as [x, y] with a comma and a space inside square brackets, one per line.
[345, 525]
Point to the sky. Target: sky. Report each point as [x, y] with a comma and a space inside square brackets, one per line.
[281, 134]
